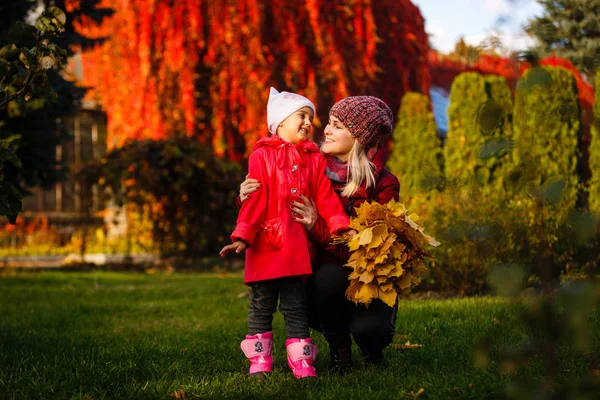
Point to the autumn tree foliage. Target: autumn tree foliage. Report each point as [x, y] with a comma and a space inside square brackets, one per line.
[416, 156]
[594, 185]
[205, 67]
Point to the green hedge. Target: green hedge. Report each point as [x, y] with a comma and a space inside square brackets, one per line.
[184, 191]
[547, 130]
[478, 147]
[417, 153]
[594, 186]
[461, 150]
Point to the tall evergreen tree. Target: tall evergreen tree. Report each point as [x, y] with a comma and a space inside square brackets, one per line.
[479, 129]
[570, 29]
[464, 138]
[417, 153]
[547, 131]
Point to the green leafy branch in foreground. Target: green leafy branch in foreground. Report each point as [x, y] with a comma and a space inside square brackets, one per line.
[26, 54]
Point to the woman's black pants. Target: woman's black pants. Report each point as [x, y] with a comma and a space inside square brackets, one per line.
[372, 328]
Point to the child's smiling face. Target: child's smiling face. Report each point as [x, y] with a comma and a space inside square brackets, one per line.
[297, 127]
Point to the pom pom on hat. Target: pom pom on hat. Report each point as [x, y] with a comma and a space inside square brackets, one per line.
[282, 105]
[368, 118]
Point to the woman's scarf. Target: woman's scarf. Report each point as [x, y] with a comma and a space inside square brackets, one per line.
[337, 170]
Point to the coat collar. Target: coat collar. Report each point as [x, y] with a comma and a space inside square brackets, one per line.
[291, 153]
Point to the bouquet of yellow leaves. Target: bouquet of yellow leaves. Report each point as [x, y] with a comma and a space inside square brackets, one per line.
[386, 256]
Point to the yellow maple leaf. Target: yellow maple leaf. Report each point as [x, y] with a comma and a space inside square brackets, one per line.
[362, 213]
[353, 288]
[370, 264]
[381, 256]
[356, 255]
[367, 277]
[372, 254]
[379, 234]
[388, 297]
[354, 276]
[353, 244]
[405, 281]
[396, 208]
[387, 287]
[389, 242]
[384, 269]
[366, 293]
[397, 249]
[396, 272]
[414, 217]
[365, 236]
[357, 261]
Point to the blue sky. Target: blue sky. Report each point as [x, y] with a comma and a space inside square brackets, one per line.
[447, 20]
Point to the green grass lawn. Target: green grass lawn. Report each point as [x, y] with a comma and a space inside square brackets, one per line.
[105, 335]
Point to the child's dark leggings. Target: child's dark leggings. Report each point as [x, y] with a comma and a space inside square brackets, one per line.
[291, 294]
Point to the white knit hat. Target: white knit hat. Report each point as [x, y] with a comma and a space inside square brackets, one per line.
[282, 105]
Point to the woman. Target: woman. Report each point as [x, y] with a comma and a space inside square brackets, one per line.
[355, 165]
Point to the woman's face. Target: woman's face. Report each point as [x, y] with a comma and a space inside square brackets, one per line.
[338, 139]
[297, 127]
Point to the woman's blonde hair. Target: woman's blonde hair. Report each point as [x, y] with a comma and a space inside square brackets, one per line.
[359, 169]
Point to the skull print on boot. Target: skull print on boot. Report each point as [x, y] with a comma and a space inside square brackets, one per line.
[301, 353]
[259, 349]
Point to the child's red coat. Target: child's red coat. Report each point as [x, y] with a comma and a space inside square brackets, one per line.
[278, 245]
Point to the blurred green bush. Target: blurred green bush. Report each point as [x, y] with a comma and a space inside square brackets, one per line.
[186, 194]
[511, 195]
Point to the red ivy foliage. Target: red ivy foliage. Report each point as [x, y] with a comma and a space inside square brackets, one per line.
[204, 66]
[586, 91]
[444, 69]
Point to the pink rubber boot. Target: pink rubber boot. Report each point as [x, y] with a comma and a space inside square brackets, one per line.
[259, 349]
[300, 354]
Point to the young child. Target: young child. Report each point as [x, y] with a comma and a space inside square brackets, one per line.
[278, 252]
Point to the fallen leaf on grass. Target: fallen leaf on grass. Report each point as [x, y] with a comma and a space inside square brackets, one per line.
[415, 395]
[179, 395]
[407, 345]
[243, 294]
[400, 337]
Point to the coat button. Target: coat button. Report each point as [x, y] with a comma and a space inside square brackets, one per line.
[294, 190]
[294, 168]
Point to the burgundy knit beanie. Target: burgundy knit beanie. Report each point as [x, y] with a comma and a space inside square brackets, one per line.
[366, 117]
